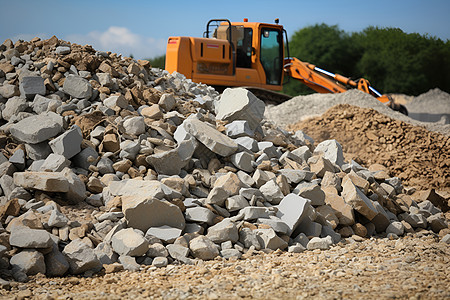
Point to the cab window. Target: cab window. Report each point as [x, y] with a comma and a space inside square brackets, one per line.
[244, 50]
[271, 55]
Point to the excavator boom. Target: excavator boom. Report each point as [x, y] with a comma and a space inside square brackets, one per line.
[326, 82]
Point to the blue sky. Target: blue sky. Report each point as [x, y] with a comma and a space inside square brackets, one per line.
[142, 27]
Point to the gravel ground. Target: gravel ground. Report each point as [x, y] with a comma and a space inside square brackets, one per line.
[413, 267]
[303, 107]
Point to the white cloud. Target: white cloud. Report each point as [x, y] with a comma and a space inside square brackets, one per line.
[122, 41]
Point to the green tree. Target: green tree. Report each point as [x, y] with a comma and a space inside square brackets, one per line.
[158, 61]
[392, 60]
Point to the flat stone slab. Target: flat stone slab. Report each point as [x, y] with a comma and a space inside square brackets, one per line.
[151, 188]
[213, 139]
[24, 237]
[43, 181]
[165, 233]
[38, 128]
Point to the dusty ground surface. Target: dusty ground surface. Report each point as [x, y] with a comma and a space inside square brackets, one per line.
[413, 267]
[419, 157]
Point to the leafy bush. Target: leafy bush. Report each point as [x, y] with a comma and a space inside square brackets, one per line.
[158, 61]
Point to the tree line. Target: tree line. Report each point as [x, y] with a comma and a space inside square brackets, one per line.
[392, 60]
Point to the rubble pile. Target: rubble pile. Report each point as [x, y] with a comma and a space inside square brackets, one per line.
[419, 157]
[171, 171]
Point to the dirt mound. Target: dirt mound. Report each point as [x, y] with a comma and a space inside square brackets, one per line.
[432, 106]
[419, 157]
[303, 107]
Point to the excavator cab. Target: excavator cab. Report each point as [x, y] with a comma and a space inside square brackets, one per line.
[231, 54]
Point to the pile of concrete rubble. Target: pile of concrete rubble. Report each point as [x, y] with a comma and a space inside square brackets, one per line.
[175, 171]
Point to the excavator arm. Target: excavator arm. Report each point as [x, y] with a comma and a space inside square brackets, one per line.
[326, 82]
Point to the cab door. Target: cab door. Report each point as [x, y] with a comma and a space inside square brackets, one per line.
[271, 54]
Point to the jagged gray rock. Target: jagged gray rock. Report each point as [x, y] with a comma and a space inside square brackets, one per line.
[240, 104]
[38, 128]
[129, 242]
[77, 87]
[81, 257]
[214, 140]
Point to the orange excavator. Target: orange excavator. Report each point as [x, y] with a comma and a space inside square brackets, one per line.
[252, 55]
